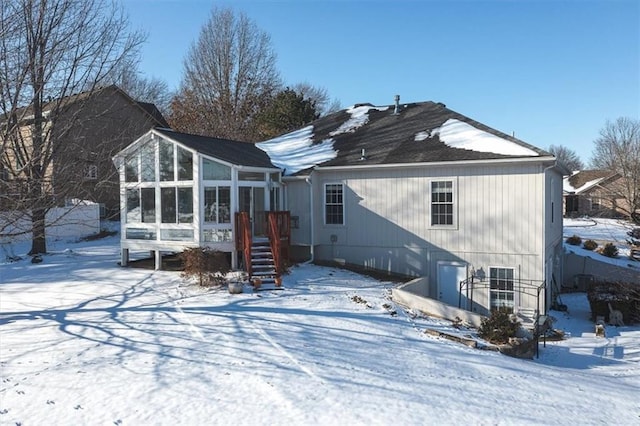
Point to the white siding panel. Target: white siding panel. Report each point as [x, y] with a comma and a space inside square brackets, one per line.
[298, 203]
[387, 222]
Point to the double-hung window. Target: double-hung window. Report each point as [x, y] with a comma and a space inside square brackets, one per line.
[442, 203]
[501, 289]
[334, 204]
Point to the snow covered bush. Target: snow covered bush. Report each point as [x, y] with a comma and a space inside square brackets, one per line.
[498, 327]
[207, 266]
[610, 250]
[635, 237]
[574, 240]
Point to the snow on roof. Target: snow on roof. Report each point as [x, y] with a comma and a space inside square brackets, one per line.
[458, 134]
[420, 136]
[359, 117]
[566, 185]
[295, 151]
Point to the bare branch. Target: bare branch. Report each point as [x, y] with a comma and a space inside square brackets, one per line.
[229, 76]
[50, 51]
[618, 149]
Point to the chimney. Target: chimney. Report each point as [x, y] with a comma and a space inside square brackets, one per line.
[396, 111]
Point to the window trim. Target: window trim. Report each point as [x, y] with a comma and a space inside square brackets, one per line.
[454, 203]
[324, 204]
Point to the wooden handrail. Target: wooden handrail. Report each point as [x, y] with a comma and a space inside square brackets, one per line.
[279, 231]
[274, 242]
[243, 238]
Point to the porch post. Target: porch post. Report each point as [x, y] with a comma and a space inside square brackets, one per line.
[234, 259]
[158, 256]
[124, 257]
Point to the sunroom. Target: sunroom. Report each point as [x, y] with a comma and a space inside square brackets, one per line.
[179, 190]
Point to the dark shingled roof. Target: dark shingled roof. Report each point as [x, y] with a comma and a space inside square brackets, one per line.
[153, 111]
[234, 152]
[582, 177]
[389, 138]
[149, 108]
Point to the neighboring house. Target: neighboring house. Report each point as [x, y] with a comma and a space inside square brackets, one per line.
[415, 189]
[594, 193]
[88, 131]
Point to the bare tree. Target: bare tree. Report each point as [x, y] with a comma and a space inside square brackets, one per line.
[50, 50]
[567, 157]
[319, 96]
[618, 149]
[229, 76]
[145, 89]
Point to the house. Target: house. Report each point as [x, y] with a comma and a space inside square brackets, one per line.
[415, 189]
[88, 130]
[423, 191]
[596, 193]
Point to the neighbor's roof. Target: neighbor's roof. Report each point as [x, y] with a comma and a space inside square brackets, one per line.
[234, 152]
[583, 180]
[150, 109]
[154, 112]
[368, 135]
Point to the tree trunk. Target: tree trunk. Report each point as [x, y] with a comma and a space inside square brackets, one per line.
[38, 241]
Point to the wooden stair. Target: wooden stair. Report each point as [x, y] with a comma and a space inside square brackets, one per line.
[264, 275]
[265, 258]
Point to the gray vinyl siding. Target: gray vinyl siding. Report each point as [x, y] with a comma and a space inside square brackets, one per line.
[298, 203]
[499, 210]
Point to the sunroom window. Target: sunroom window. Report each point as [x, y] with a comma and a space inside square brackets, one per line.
[177, 205]
[166, 161]
[168, 203]
[185, 164]
[251, 176]
[141, 205]
[131, 169]
[217, 204]
[148, 163]
[148, 196]
[212, 170]
[133, 206]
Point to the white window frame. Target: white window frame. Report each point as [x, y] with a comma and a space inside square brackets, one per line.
[324, 203]
[157, 228]
[454, 203]
[217, 208]
[513, 284]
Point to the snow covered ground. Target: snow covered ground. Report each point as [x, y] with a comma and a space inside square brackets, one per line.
[602, 231]
[83, 341]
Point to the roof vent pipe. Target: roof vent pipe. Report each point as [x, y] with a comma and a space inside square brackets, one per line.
[396, 111]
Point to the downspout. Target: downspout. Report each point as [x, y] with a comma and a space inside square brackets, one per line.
[312, 221]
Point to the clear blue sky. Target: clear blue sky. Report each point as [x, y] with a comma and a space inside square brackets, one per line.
[552, 72]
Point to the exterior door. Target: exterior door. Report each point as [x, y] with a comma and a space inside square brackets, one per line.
[449, 276]
[251, 200]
